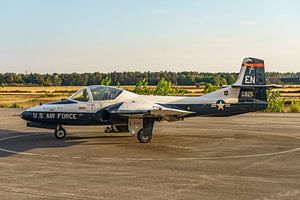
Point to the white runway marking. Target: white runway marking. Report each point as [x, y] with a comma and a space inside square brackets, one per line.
[149, 159]
[24, 153]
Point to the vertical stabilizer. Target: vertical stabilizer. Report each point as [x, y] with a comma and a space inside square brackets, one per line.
[252, 72]
[252, 81]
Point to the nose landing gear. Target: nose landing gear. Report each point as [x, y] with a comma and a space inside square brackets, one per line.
[60, 132]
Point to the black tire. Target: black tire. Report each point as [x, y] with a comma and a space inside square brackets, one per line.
[60, 133]
[108, 130]
[119, 128]
[142, 138]
[114, 129]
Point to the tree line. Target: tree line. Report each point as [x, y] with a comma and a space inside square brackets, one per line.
[126, 78]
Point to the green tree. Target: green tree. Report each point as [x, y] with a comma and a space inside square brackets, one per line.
[230, 78]
[295, 107]
[131, 78]
[141, 87]
[106, 81]
[210, 88]
[165, 88]
[275, 102]
[56, 79]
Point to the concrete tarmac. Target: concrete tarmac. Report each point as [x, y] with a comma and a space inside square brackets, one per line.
[253, 156]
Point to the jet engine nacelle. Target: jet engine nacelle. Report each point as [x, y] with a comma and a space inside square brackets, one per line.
[106, 116]
[103, 116]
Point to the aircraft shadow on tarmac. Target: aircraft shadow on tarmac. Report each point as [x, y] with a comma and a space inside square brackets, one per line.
[95, 137]
[18, 142]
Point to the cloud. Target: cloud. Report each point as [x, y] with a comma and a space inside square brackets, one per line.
[161, 11]
[248, 22]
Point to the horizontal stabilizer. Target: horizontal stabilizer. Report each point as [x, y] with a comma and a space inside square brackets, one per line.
[257, 86]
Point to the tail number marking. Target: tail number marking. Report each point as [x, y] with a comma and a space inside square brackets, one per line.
[247, 94]
[250, 79]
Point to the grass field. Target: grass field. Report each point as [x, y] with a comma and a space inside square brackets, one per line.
[24, 97]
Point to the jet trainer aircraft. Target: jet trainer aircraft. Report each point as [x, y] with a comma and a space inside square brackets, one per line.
[130, 112]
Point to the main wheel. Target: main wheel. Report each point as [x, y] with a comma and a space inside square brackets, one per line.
[108, 130]
[143, 138]
[60, 133]
[114, 129]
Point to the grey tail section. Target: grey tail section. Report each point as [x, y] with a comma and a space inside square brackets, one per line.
[252, 81]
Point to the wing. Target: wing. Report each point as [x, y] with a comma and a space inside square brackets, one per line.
[134, 108]
[142, 115]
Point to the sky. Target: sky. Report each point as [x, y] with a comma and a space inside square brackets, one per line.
[47, 36]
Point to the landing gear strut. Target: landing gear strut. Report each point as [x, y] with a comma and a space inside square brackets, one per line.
[60, 132]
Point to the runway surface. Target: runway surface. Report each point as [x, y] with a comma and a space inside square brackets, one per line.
[253, 156]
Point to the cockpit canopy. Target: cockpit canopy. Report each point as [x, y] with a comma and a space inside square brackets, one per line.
[96, 93]
[100, 93]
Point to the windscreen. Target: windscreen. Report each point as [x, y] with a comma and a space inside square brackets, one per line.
[81, 95]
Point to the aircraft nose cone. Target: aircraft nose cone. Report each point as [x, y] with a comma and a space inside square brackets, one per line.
[25, 115]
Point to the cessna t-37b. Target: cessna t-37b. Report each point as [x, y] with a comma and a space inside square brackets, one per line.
[125, 111]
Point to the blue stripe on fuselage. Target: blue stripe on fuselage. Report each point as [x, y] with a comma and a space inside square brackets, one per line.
[219, 110]
[74, 118]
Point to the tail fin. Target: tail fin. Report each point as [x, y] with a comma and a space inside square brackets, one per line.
[252, 81]
[252, 72]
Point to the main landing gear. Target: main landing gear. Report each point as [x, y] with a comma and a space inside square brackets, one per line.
[116, 129]
[60, 132]
[112, 129]
[142, 128]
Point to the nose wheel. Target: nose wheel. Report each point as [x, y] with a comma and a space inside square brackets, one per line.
[60, 132]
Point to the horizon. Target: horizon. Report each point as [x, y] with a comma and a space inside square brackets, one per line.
[92, 72]
[66, 36]
[141, 71]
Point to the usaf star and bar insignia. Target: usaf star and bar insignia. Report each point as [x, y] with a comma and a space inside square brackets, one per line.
[220, 105]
